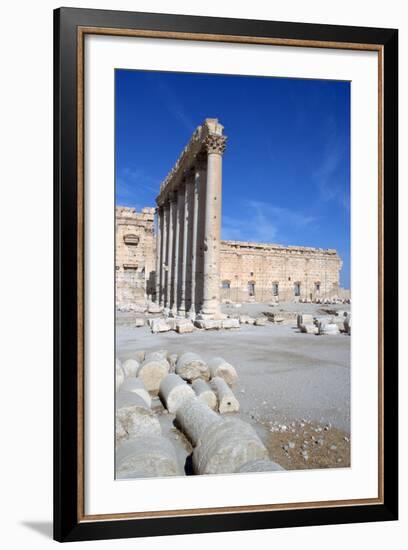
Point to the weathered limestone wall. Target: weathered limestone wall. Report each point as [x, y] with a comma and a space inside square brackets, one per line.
[261, 272]
[241, 263]
[135, 255]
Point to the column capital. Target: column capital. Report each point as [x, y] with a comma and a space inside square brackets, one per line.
[215, 144]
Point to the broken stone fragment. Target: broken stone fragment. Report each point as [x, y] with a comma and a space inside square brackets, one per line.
[246, 320]
[159, 325]
[147, 456]
[174, 391]
[260, 322]
[304, 319]
[184, 326]
[139, 322]
[328, 328]
[308, 329]
[134, 417]
[208, 324]
[227, 402]
[219, 367]
[190, 366]
[230, 323]
[171, 322]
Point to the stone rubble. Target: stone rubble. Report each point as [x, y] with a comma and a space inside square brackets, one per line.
[134, 417]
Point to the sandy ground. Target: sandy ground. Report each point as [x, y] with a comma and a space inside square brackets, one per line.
[293, 388]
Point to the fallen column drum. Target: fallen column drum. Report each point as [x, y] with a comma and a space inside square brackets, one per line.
[147, 456]
[224, 447]
[174, 391]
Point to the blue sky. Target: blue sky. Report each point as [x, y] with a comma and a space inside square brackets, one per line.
[286, 170]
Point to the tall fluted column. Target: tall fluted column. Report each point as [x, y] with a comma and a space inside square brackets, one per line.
[163, 264]
[189, 204]
[176, 252]
[158, 252]
[198, 189]
[183, 244]
[215, 145]
[170, 238]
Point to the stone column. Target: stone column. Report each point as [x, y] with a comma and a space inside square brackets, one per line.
[215, 145]
[170, 237]
[163, 267]
[188, 220]
[159, 218]
[183, 245]
[198, 188]
[176, 254]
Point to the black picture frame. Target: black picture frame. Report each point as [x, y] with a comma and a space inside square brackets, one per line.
[68, 525]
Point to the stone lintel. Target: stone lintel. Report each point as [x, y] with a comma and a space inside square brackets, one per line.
[202, 138]
[278, 248]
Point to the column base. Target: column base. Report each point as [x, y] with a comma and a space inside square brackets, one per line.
[205, 314]
[191, 315]
[173, 312]
[181, 313]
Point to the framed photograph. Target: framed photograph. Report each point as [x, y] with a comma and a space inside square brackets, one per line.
[225, 274]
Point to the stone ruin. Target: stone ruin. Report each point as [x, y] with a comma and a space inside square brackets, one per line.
[180, 261]
[199, 395]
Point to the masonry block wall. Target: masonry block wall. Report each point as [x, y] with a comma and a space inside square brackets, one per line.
[270, 272]
[249, 271]
[135, 255]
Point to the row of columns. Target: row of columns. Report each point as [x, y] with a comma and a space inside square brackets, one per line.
[188, 236]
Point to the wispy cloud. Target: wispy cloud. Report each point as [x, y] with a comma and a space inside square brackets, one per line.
[136, 188]
[264, 222]
[175, 107]
[329, 175]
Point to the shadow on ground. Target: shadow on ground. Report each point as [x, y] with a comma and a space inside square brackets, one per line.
[42, 527]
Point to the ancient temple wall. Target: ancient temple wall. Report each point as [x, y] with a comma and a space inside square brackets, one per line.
[259, 272]
[135, 255]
